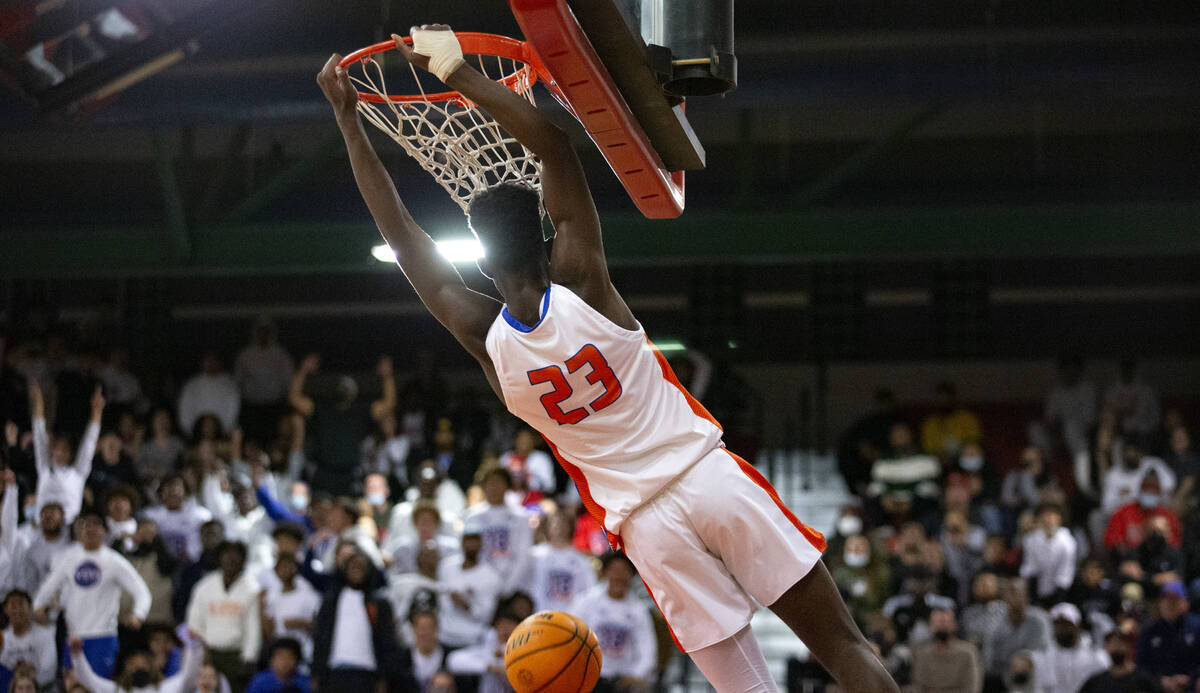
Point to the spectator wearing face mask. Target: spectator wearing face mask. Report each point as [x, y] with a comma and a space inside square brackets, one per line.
[946, 663]
[467, 594]
[862, 579]
[1071, 658]
[1131, 525]
[1020, 676]
[507, 536]
[973, 471]
[1123, 481]
[849, 524]
[1121, 677]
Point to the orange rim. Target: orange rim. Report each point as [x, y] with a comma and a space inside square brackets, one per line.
[473, 43]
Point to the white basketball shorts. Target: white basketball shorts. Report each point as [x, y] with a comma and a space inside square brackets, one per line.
[712, 543]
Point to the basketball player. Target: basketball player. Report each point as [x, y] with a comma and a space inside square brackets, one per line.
[706, 531]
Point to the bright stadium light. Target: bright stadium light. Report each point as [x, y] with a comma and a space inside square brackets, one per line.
[383, 253]
[458, 251]
[461, 250]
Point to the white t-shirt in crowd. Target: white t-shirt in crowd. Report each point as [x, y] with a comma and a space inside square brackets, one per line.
[227, 619]
[36, 646]
[624, 629]
[302, 602]
[507, 537]
[1049, 560]
[556, 577]
[180, 529]
[40, 554]
[425, 666]
[88, 585]
[480, 586]
[352, 644]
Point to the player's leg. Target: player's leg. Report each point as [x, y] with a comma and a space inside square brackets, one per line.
[814, 610]
[735, 664]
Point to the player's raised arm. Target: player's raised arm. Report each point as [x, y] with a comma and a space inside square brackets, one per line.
[578, 257]
[466, 313]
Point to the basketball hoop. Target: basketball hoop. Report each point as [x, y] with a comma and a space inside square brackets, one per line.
[464, 149]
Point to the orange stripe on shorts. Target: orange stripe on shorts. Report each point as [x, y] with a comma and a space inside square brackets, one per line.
[813, 536]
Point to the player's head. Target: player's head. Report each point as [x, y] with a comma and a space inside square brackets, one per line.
[507, 220]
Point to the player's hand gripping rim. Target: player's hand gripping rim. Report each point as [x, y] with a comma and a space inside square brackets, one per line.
[435, 49]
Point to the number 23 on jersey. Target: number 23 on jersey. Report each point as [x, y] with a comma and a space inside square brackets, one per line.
[598, 372]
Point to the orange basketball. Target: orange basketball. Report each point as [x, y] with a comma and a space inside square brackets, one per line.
[552, 652]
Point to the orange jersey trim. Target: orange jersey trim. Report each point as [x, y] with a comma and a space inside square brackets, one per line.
[585, 494]
[813, 536]
[669, 374]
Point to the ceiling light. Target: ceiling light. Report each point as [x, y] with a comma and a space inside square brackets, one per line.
[458, 251]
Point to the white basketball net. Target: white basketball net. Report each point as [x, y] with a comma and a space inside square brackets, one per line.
[464, 149]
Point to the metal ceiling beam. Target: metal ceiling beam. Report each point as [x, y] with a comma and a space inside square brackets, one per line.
[747, 237]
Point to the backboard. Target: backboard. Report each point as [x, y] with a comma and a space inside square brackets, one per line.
[628, 91]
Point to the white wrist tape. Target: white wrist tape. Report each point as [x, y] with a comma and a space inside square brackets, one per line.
[445, 55]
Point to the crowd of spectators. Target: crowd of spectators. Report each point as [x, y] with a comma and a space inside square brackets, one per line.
[258, 530]
[261, 531]
[1071, 566]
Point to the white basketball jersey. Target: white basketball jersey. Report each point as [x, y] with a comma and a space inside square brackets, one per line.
[604, 398]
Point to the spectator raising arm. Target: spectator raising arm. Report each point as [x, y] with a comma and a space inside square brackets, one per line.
[296, 397]
[41, 438]
[386, 403]
[8, 519]
[87, 446]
